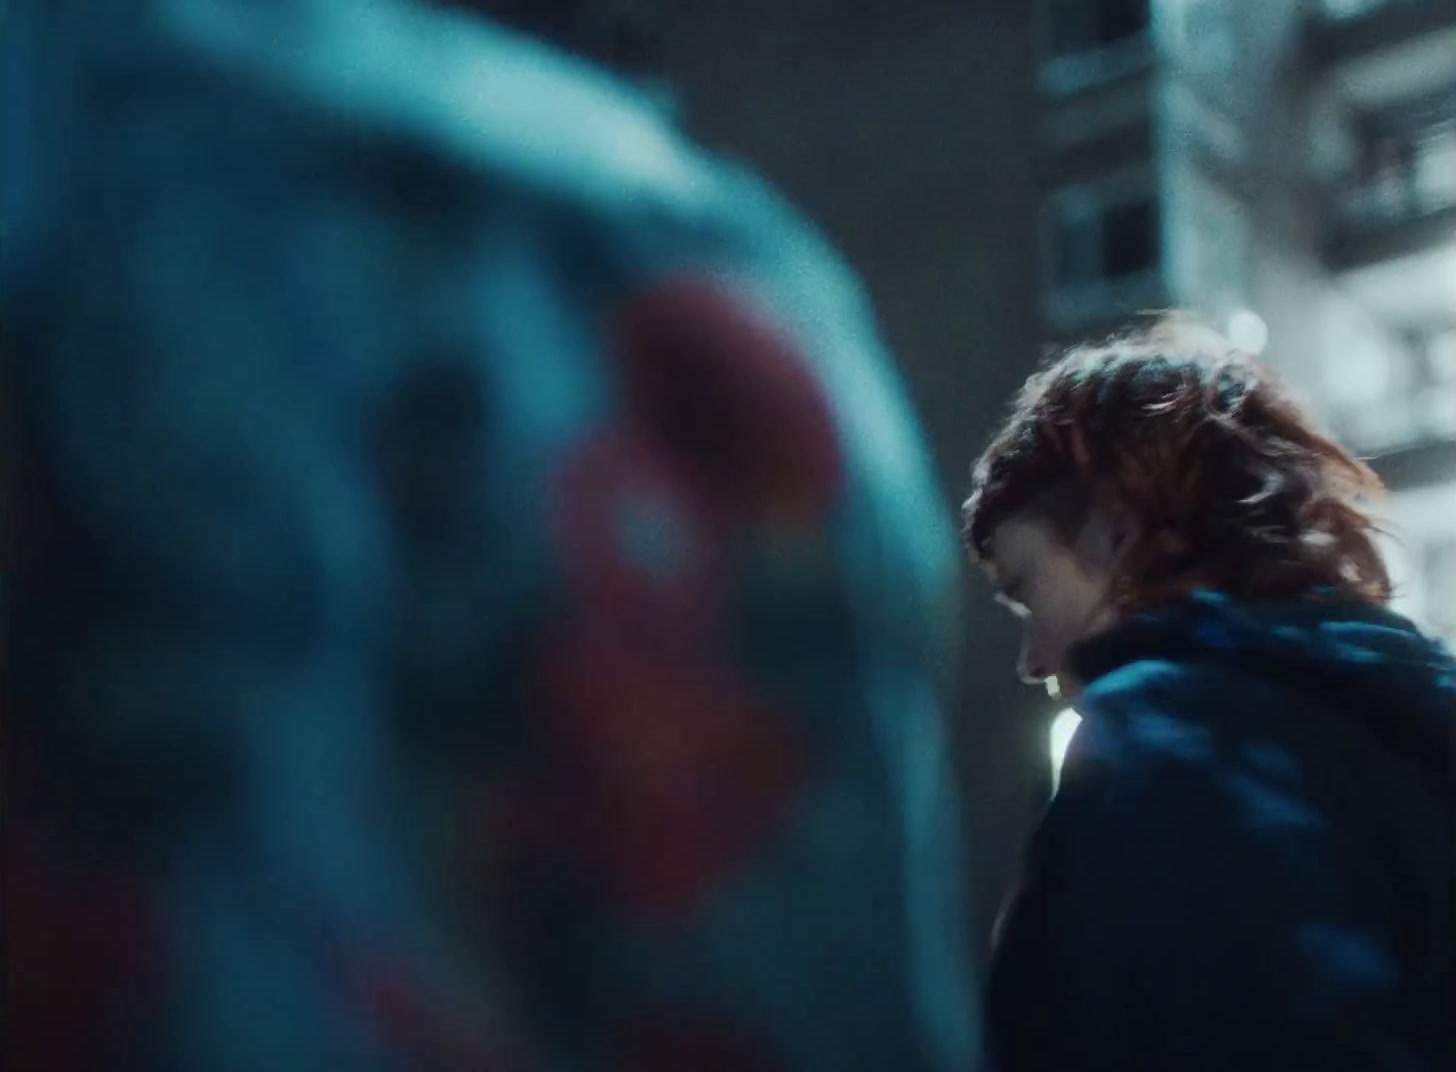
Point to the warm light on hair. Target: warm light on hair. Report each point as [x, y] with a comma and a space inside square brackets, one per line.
[1225, 481]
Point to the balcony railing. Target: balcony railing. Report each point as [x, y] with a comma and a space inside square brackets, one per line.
[1419, 465]
[1405, 200]
[1412, 180]
[1417, 432]
[1092, 43]
[1342, 30]
[1403, 413]
[1342, 10]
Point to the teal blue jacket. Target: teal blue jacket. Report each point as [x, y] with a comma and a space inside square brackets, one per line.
[479, 597]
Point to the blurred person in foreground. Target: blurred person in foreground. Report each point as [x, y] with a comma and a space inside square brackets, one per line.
[476, 597]
[1248, 864]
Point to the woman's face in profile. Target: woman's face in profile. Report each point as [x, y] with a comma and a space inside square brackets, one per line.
[1060, 590]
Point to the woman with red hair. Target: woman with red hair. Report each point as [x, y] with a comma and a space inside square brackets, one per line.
[1249, 861]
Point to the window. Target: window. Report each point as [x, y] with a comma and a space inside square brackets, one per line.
[1117, 20]
[1102, 250]
[1094, 241]
[1074, 27]
[1129, 239]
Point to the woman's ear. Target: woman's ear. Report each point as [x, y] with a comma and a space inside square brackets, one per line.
[1100, 542]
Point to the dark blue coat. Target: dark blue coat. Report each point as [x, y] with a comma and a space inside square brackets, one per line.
[1249, 863]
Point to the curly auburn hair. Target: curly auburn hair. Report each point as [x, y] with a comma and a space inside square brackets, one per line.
[1225, 480]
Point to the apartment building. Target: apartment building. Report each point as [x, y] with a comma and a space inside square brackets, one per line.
[1288, 169]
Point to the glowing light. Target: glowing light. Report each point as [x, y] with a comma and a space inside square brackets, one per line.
[1247, 331]
[1064, 727]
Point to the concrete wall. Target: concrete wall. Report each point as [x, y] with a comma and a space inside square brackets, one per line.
[907, 131]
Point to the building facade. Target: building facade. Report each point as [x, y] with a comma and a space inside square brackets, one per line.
[1287, 169]
[903, 130]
